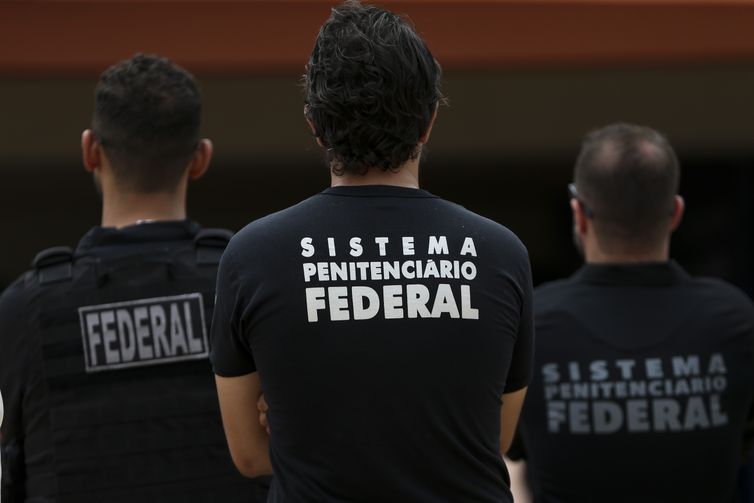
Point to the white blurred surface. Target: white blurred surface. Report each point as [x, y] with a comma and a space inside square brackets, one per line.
[519, 487]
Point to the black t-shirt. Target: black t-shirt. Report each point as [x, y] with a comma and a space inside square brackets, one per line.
[642, 386]
[109, 395]
[385, 323]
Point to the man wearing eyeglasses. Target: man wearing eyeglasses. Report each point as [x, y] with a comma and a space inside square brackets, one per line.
[644, 379]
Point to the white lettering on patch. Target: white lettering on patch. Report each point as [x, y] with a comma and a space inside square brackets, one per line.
[142, 332]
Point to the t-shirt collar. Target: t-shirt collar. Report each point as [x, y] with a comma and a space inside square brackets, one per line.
[638, 274]
[154, 231]
[375, 191]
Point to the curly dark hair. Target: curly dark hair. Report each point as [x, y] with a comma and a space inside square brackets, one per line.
[147, 113]
[372, 86]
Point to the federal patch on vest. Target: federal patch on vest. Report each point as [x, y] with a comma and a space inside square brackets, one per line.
[144, 332]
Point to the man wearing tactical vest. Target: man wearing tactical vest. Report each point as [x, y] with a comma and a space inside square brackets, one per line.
[108, 391]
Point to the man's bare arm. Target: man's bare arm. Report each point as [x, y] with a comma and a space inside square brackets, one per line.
[509, 412]
[247, 438]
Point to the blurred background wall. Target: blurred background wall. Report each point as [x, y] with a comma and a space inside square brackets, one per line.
[525, 80]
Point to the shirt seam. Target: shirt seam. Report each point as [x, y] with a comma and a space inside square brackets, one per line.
[422, 196]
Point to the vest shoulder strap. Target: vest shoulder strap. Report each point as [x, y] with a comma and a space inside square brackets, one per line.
[54, 264]
[210, 244]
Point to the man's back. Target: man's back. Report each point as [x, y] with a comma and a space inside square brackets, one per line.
[642, 386]
[383, 322]
[105, 368]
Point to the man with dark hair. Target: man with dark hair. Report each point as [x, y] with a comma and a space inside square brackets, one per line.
[643, 379]
[389, 330]
[147, 118]
[630, 175]
[109, 394]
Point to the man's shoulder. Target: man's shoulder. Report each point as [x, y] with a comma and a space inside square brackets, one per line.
[707, 293]
[717, 294]
[486, 232]
[51, 268]
[716, 287]
[272, 234]
[15, 293]
[274, 222]
[553, 293]
[310, 216]
[487, 224]
[55, 268]
[48, 268]
[14, 306]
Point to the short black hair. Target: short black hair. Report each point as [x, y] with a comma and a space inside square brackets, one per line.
[628, 176]
[147, 113]
[372, 86]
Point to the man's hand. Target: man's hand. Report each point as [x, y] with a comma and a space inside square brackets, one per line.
[263, 408]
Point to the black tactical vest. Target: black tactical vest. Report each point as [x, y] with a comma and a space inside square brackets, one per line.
[133, 408]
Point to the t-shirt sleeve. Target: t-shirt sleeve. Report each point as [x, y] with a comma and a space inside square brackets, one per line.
[230, 352]
[12, 327]
[748, 443]
[522, 359]
[24, 439]
[14, 359]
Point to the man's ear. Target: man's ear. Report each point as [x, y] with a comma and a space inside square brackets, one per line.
[200, 160]
[425, 137]
[91, 151]
[679, 206]
[311, 126]
[580, 222]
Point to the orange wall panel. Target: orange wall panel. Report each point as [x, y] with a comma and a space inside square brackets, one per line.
[230, 37]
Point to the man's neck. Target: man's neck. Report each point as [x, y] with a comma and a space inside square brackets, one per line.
[122, 210]
[598, 256]
[407, 175]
